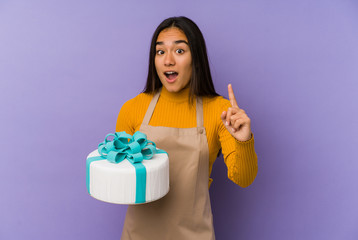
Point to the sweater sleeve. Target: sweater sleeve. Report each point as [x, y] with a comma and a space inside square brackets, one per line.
[240, 157]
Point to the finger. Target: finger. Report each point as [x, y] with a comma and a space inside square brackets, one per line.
[238, 113]
[228, 116]
[239, 122]
[232, 96]
[232, 111]
[235, 117]
[223, 116]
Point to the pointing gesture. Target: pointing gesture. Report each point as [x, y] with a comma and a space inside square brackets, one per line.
[235, 119]
[232, 96]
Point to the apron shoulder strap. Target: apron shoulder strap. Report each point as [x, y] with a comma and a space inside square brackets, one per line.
[150, 110]
[199, 112]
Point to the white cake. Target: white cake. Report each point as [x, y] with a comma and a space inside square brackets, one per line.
[116, 182]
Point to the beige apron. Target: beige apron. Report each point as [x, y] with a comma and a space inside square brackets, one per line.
[185, 212]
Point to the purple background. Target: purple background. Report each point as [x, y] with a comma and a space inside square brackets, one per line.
[66, 68]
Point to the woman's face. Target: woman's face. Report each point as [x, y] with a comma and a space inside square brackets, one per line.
[173, 59]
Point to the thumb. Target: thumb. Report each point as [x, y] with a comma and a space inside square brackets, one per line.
[223, 116]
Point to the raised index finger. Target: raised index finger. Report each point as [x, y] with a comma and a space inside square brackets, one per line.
[232, 96]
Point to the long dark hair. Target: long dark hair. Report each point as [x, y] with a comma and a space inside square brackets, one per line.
[201, 83]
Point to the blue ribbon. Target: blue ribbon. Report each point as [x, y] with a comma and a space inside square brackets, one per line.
[124, 146]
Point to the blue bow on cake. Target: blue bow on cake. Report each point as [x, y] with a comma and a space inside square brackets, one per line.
[123, 146]
[135, 148]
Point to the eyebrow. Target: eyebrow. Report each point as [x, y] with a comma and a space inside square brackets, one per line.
[175, 42]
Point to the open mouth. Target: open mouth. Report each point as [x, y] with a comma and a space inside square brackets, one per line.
[171, 75]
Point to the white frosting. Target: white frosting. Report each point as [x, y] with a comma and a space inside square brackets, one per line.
[116, 183]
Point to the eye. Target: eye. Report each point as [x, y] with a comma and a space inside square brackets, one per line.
[180, 51]
[160, 52]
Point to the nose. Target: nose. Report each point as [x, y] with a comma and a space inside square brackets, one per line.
[169, 59]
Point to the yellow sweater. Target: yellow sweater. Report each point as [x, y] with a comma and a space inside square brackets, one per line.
[173, 110]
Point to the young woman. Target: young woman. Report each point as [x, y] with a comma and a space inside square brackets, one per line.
[181, 112]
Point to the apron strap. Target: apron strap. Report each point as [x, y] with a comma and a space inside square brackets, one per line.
[199, 112]
[153, 102]
[150, 110]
